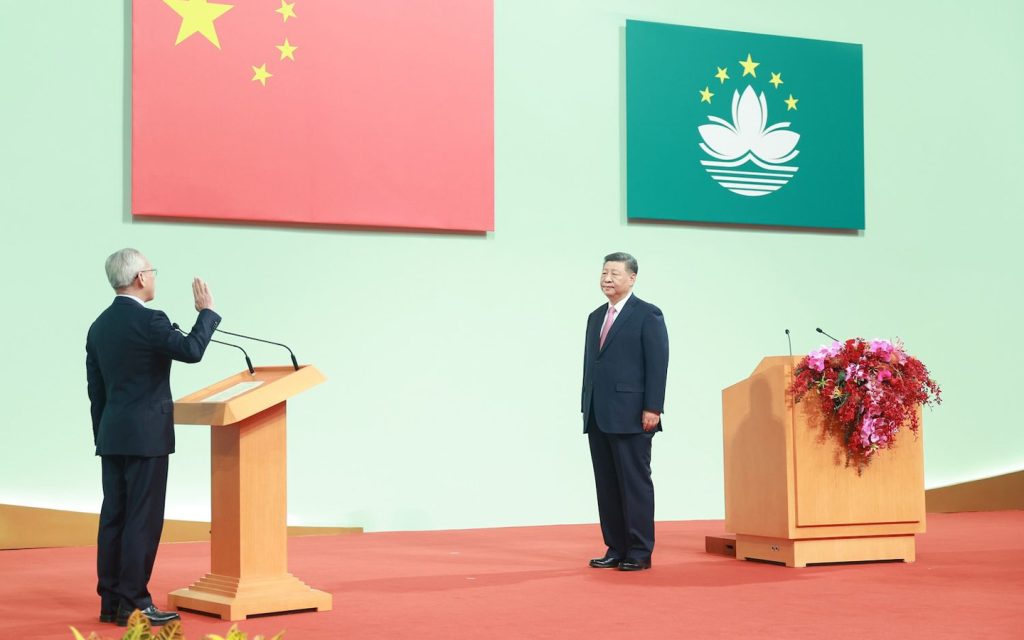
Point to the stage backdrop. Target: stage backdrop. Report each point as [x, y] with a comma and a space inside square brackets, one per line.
[453, 361]
[325, 112]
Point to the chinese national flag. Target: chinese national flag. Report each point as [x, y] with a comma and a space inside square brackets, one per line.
[371, 113]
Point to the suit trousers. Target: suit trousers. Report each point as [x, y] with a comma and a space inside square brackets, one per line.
[625, 491]
[131, 521]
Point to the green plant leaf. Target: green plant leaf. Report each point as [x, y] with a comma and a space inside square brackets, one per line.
[232, 634]
[171, 631]
[235, 634]
[133, 633]
[138, 627]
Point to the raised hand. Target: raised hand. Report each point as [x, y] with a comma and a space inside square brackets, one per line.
[201, 292]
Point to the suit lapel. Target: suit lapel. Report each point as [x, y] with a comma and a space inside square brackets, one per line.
[627, 310]
[594, 331]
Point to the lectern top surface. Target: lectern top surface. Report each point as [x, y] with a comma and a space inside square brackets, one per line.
[243, 394]
[241, 382]
[235, 390]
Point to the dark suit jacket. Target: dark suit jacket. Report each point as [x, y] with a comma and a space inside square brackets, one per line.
[628, 375]
[128, 355]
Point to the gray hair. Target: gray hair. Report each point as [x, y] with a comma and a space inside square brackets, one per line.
[122, 267]
[620, 256]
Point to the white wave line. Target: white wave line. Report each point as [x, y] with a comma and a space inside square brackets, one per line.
[750, 180]
[752, 187]
[773, 167]
[734, 163]
[748, 158]
[748, 173]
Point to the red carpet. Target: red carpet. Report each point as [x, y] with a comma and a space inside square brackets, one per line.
[533, 582]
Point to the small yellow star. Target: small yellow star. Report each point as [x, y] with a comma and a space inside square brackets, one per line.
[749, 66]
[722, 75]
[287, 50]
[791, 103]
[286, 11]
[705, 95]
[198, 16]
[261, 74]
[776, 80]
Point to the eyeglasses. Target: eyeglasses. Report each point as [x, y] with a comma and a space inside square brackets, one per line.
[153, 271]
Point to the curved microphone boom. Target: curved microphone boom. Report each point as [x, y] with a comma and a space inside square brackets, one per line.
[818, 329]
[790, 341]
[248, 362]
[295, 363]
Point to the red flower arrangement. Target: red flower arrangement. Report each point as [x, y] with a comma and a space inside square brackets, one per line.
[867, 391]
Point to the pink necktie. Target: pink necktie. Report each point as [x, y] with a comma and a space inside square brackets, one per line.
[608, 320]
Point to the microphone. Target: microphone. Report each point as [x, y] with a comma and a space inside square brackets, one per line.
[295, 363]
[248, 362]
[818, 329]
[790, 341]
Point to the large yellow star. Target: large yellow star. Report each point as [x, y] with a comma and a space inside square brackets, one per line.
[287, 50]
[749, 66]
[776, 80]
[722, 75]
[261, 74]
[287, 11]
[791, 103]
[197, 16]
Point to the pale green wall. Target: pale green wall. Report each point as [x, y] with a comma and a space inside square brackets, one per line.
[453, 361]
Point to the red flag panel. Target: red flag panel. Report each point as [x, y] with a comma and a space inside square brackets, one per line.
[332, 112]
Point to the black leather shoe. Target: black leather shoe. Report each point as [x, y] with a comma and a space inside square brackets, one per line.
[607, 562]
[108, 608]
[631, 564]
[156, 617]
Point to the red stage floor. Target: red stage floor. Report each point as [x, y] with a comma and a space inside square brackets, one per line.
[533, 582]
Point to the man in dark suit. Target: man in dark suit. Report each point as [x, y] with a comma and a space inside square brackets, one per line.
[129, 350]
[625, 366]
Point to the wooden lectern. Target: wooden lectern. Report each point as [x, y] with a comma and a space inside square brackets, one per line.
[248, 537]
[790, 498]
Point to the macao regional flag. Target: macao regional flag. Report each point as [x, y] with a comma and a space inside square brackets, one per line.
[731, 127]
[328, 112]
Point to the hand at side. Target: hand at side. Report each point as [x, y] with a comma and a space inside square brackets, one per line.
[651, 420]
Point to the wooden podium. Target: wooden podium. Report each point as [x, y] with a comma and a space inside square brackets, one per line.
[789, 497]
[248, 537]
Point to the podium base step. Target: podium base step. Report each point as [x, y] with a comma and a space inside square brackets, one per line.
[721, 545]
[800, 553]
[234, 598]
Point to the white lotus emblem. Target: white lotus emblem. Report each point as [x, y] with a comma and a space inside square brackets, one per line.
[747, 140]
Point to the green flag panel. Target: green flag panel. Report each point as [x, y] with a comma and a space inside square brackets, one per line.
[746, 128]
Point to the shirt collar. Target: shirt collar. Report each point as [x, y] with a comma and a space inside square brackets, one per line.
[621, 303]
[131, 297]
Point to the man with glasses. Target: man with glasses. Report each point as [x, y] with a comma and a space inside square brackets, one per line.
[129, 350]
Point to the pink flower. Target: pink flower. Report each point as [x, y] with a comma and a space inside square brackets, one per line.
[816, 359]
[884, 374]
[899, 355]
[883, 347]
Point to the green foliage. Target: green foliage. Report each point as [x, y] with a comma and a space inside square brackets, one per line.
[234, 634]
[140, 629]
